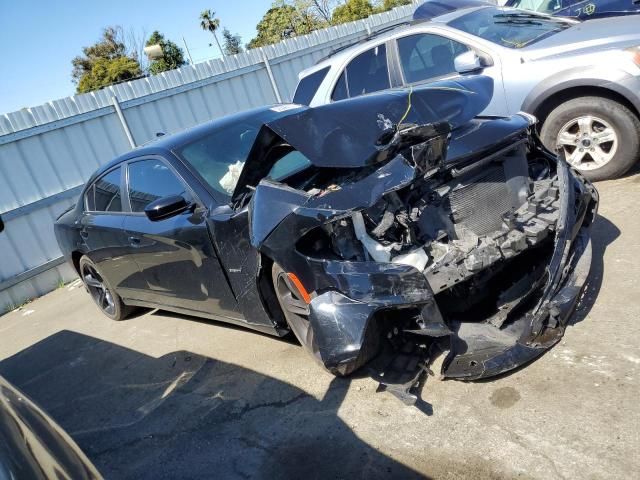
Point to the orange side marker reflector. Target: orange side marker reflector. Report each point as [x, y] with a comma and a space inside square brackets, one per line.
[303, 292]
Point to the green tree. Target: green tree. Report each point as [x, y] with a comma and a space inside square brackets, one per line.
[323, 8]
[173, 56]
[232, 44]
[105, 62]
[352, 10]
[105, 72]
[390, 4]
[209, 22]
[284, 20]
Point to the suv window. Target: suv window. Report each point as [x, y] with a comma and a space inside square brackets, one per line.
[426, 56]
[104, 195]
[150, 180]
[308, 87]
[366, 73]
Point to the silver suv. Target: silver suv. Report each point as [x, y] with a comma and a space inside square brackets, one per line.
[581, 80]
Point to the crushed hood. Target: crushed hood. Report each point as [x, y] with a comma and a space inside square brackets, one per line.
[357, 132]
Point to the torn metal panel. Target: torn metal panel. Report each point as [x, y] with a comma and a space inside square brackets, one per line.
[486, 237]
[365, 130]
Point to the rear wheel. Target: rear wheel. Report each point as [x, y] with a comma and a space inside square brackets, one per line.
[107, 300]
[599, 137]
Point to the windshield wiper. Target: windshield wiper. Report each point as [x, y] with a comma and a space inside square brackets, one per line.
[524, 15]
[516, 21]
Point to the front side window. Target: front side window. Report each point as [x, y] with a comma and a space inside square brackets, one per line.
[104, 195]
[427, 56]
[366, 73]
[150, 180]
[509, 27]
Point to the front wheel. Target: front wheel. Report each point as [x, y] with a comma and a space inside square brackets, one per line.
[599, 137]
[107, 300]
[293, 305]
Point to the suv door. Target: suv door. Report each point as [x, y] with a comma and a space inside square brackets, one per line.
[102, 232]
[428, 57]
[175, 255]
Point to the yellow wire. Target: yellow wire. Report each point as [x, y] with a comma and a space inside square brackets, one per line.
[408, 106]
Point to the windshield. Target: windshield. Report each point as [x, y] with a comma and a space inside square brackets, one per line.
[542, 6]
[509, 27]
[220, 155]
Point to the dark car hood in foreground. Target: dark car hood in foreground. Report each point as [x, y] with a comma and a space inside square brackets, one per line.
[33, 446]
[358, 132]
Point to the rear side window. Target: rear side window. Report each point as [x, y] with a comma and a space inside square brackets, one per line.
[104, 195]
[150, 180]
[308, 87]
[366, 73]
[427, 56]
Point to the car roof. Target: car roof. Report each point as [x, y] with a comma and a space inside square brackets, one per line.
[336, 56]
[436, 8]
[168, 143]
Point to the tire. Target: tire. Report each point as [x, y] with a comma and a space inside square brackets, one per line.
[104, 296]
[582, 128]
[294, 308]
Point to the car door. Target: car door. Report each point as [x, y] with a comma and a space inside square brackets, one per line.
[427, 57]
[175, 255]
[102, 233]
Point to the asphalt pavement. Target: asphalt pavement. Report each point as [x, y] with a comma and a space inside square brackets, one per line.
[167, 396]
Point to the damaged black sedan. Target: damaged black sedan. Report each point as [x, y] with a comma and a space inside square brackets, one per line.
[379, 230]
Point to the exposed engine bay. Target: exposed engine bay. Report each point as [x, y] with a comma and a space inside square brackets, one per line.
[457, 230]
[467, 238]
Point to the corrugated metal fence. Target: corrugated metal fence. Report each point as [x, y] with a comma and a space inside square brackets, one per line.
[47, 152]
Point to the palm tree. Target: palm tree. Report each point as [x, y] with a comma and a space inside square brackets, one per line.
[208, 21]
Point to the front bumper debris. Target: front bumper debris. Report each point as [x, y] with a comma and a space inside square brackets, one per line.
[348, 329]
[483, 255]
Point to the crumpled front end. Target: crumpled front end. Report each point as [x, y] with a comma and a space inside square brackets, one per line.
[473, 240]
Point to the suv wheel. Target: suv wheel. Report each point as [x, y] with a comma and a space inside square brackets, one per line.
[599, 137]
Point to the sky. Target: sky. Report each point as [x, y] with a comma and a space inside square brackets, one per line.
[38, 38]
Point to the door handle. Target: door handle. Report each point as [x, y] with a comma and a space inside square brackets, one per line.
[134, 241]
[84, 234]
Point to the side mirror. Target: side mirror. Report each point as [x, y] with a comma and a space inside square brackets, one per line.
[166, 207]
[471, 61]
[1, 225]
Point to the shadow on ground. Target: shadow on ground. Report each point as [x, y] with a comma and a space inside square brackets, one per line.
[603, 233]
[189, 416]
